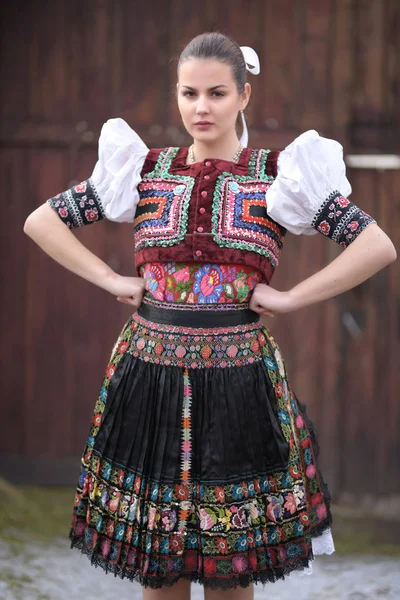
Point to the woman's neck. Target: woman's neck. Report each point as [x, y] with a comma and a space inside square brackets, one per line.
[221, 149]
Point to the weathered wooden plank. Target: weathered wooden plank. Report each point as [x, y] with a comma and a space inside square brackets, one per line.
[14, 247]
[369, 56]
[340, 59]
[392, 339]
[316, 77]
[14, 48]
[76, 72]
[144, 64]
[387, 342]
[45, 414]
[359, 368]
[376, 75]
[277, 88]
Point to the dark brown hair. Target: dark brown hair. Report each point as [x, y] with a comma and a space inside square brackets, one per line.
[221, 47]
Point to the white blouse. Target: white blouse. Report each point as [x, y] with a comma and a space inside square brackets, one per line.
[116, 174]
[309, 170]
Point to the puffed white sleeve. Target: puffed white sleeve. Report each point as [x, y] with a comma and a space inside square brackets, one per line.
[310, 192]
[111, 191]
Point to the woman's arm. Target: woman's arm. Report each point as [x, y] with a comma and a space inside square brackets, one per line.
[45, 228]
[370, 252]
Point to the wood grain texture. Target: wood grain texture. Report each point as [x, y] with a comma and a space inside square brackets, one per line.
[67, 67]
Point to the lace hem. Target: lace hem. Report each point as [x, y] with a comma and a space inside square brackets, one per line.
[322, 543]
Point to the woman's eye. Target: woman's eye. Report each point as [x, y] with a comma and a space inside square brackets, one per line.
[220, 94]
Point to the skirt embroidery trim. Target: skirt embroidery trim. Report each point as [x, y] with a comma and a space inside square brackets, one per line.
[186, 449]
[256, 530]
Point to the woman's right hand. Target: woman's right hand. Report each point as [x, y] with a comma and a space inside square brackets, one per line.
[128, 290]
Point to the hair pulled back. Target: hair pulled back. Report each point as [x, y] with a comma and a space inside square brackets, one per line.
[221, 47]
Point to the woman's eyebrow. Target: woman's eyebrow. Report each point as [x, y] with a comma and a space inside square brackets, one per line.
[210, 89]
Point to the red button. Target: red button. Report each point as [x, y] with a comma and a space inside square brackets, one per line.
[202, 210]
[198, 253]
[206, 177]
[204, 193]
[208, 164]
[200, 229]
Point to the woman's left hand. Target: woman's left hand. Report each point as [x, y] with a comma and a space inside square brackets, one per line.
[265, 300]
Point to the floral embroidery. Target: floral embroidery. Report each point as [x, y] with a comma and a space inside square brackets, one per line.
[155, 280]
[158, 531]
[340, 220]
[183, 347]
[208, 284]
[198, 283]
[78, 206]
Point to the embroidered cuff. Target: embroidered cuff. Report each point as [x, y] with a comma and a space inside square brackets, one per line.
[78, 206]
[340, 220]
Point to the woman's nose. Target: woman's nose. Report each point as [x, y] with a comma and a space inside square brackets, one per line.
[201, 106]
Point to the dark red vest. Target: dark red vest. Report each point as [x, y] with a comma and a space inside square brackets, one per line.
[213, 211]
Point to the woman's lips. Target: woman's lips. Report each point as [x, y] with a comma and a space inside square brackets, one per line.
[204, 125]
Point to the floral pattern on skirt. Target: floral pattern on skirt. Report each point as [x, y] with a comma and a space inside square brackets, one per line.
[137, 518]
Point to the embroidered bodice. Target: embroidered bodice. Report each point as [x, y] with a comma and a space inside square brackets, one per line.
[215, 212]
[211, 211]
[199, 283]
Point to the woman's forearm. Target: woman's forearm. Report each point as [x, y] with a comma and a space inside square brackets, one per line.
[366, 255]
[45, 228]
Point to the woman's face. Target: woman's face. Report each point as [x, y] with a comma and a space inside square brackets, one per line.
[207, 92]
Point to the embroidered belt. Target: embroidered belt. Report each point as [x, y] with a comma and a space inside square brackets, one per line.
[220, 316]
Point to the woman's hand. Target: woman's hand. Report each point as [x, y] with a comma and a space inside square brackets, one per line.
[267, 301]
[128, 290]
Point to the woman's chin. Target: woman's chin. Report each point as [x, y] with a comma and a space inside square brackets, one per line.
[204, 136]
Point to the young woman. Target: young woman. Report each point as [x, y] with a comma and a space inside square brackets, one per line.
[201, 462]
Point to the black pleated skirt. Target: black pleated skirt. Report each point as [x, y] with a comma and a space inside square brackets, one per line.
[200, 462]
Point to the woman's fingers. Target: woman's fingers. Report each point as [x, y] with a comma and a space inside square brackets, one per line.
[262, 311]
[126, 300]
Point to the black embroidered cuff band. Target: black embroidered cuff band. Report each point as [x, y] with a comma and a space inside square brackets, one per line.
[78, 206]
[340, 220]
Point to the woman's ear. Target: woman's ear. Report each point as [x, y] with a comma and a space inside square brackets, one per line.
[245, 96]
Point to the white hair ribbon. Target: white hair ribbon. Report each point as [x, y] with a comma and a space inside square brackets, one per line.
[253, 65]
[251, 59]
[244, 138]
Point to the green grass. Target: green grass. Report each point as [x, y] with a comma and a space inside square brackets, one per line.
[41, 513]
[365, 535]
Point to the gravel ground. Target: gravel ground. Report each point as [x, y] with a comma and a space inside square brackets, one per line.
[55, 572]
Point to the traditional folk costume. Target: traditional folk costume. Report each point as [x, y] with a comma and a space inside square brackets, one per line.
[201, 461]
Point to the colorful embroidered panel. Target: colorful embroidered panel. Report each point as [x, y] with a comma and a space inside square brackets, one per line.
[240, 218]
[257, 166]
[180, 346]
[197, 283]
[256, 527]
[341, 220]
[78, 206]
[162, 212]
